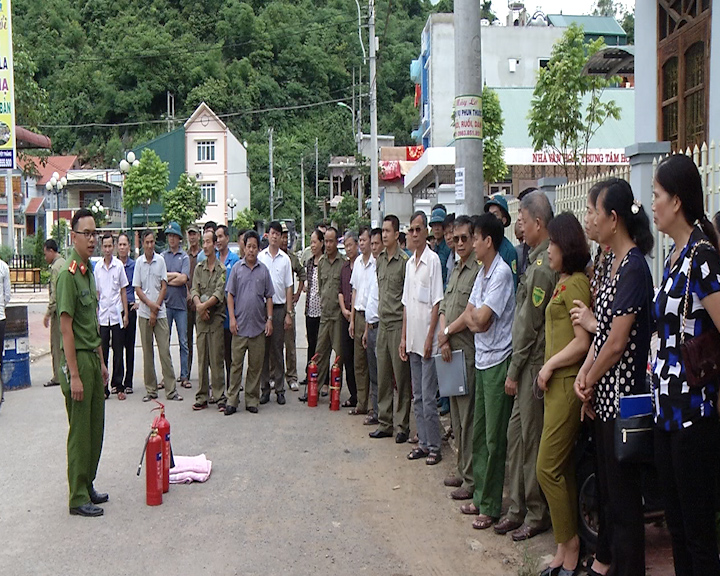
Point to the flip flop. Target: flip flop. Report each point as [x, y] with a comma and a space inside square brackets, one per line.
[469, 509]
[483, 522]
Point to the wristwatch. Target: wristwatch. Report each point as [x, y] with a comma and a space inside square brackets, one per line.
[447, 331]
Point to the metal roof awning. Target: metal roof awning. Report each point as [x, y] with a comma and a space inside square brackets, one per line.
[435, 167]
[611, 61]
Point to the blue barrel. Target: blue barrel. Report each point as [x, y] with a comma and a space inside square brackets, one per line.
[16, 357]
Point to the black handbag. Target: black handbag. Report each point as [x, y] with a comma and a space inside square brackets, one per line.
[634, 439]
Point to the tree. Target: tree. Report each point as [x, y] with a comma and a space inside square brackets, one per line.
[486, 11]
[346, 216]
[59, 232]
[494, 167]
[39, 254]
[628, 24]
[566, 108]
[146, 182]
[183, 204]
[607, 8]
[245, 219]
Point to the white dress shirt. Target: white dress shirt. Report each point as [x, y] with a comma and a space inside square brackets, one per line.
[149, 277]
[4, 288]
[371, 308]
[423, 289]
[360, 280]
[109, 280]
[280, 271]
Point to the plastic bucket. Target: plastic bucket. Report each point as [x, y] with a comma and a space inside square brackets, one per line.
[16, 349]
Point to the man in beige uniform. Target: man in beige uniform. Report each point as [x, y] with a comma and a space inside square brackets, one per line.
[298, 271]
[56, 263]
[329, 268]
[391, 279]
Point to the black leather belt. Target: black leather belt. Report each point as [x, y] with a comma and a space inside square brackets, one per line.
[374, 325]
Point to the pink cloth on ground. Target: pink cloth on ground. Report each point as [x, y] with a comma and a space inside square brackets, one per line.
[189, 469]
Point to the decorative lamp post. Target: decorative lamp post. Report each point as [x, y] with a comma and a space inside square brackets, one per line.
[55, 185]
[99, 214]
[130, 161]
[231, 204]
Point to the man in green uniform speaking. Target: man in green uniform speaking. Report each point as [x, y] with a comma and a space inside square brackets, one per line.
[84, 373]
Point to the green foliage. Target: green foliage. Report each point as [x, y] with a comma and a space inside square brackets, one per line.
[607, 8]
[61, 233]
[29, 245]
[6, 253]
[559, 120]
[346, 215]
[486, 11]
[245, 219]
[146, 182]
[31, 101]
[39, 253]
[628, 24]
[494, 167]
[185, 203]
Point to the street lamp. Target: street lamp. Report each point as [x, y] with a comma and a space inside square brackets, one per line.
[231, 204]
[125, 164]
[55, 185]
[98, 210]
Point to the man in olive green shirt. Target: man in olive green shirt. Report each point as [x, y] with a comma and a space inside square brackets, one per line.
[391, 280]
[51, 319]
[298, 271]
[455, 335]
[528, 513]
[329, 267]
[208, 295]
[84, 373]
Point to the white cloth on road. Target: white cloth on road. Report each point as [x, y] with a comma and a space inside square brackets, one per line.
[189, 469]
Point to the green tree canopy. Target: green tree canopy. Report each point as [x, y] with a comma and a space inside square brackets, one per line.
[567, 108]
[183, 204]
[146, 181]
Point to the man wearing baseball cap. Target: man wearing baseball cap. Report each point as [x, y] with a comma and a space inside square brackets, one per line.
[177, 263]
[497, 205]
[437, 218]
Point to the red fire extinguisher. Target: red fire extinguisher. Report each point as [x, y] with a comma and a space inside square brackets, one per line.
[153, 468]
[163, 427]
[335, 383]
[312, 379]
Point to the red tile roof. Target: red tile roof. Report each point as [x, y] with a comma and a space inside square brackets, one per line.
[34, 206]
[59, 164]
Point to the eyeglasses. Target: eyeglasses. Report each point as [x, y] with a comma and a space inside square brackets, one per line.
[88, 233]
[415, 230]
[462, 238]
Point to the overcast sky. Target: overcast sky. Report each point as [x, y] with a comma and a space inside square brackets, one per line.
[569, 7]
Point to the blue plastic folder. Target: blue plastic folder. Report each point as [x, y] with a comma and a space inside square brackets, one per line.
[637, 405]
[452, 376]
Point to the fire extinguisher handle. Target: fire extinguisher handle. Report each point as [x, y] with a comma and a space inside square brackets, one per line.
[142, 457]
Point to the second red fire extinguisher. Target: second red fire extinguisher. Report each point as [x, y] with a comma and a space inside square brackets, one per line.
[163, 427]
[335, 383]
[154, 470]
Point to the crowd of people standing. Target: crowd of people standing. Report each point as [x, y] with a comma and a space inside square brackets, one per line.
[545, 337]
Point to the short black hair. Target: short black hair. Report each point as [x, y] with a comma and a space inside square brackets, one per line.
[146, 233]
[567, 233]
[526, 192]
[275, 225]
[402, 238]
[224, 228]
[489, 225]
[50, 244]
[334, 230]
[241, 234]
[210, 224]
[82, 213]
[106, 236]
[419, 214]
[449, 220]
[251, 234]
[376, 232]
[213, 233]
[394, 221]
[364, 229]
[463, 220]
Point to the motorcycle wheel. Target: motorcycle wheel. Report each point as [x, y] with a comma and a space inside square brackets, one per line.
[588, 513]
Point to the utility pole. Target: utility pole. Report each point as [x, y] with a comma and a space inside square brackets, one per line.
[170, 111]
[468, 108]
[302, 201]
[272, 178]
[374, 184]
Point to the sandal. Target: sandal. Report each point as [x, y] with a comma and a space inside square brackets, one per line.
[414, 439]
[370, 420]
[186, 384]
[175, 396]
[348, 404]
[417, 454]
[121, 395]
[113, 390]
[469, 509]
[483, 522]
[433, 458]
[149, 398]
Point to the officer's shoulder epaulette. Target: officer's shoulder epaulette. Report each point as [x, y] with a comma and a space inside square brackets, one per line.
[72, 268]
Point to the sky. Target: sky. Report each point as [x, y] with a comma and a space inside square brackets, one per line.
[569, 7]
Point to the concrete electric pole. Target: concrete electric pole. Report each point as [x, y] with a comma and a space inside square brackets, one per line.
[468, 108]
[374, 184]
[272, 177]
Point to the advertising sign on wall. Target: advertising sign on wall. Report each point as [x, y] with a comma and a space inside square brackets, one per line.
[468, 117]
[7, 90]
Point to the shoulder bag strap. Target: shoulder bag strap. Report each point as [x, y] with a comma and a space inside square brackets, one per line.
[687, 289]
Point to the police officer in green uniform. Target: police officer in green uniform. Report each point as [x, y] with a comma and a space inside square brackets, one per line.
[528, 512]
[391, 281]
[51, 319]
[84, 374]
[455, 335]
[329, 268]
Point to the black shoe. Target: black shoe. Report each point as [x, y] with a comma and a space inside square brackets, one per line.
[281, 398]
[401, 438]
[98, 497]
[89, 510]
[265, 398]
[251, 409]
[128, 390]
[230, 410]
[380, 434]
[303, 398]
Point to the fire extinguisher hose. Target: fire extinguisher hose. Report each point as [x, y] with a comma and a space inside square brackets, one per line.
[142, 457]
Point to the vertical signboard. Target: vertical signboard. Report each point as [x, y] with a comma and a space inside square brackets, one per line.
[468, 117]
[7, 90]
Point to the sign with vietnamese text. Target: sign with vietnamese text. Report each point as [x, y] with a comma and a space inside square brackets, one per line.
[460, 184]
[593, 157]
[7, 90]
[468, 117]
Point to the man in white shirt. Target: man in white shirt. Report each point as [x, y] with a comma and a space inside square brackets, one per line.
[280, 267]
[150, 283]
[422, 293]
[110, 281]
[362, 274]
[372, 321]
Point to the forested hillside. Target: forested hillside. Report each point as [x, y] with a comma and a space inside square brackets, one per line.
[80, 63]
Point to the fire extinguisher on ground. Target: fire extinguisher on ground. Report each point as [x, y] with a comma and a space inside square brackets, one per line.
[335, 384]
[162, 425]
[153, 468]
[312, 379]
